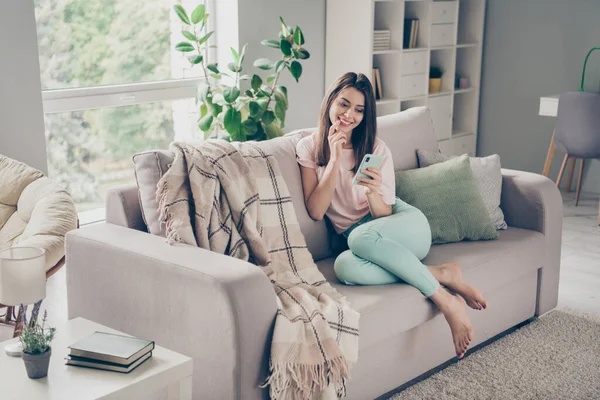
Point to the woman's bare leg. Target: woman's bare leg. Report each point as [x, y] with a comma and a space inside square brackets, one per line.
[455, 312]
[450, 275]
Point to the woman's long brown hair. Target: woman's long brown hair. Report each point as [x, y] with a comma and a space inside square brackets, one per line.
[364, 135]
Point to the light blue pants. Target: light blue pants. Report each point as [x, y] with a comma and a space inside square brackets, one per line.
[388, 250]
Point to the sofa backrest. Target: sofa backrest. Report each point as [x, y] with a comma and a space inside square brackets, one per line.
[403, 132]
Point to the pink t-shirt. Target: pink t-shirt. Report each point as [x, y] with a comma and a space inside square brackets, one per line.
[349, 203]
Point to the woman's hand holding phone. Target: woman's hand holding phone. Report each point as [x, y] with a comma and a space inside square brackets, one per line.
[372, 184]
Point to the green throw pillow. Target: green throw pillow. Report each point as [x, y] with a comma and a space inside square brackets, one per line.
[448, 195]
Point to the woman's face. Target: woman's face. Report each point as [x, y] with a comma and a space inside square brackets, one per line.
[348, 108]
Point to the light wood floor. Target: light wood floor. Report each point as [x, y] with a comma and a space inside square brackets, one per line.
[579, 276]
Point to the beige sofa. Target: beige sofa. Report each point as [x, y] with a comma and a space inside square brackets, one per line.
[220, 310]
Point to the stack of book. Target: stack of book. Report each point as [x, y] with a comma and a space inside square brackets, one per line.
[110, 352]
[381, 40]
[411, 33]
[376, 81]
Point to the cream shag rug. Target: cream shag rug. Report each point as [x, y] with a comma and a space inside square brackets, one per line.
[556, 356]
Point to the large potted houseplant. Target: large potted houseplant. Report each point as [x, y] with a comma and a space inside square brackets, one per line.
[36, 340]
[229, 108]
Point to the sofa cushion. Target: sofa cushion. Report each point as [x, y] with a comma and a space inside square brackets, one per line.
[388, 310]
[149, 167]
[448, 195]
[488, 174]
[405, 132]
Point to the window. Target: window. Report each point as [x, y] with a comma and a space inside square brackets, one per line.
[112, 85]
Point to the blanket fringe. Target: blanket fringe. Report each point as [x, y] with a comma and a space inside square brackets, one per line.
[301, 381]
[165, 217]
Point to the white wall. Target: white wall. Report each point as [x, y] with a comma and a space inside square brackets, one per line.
[21, 116]
[259, 20]
[534, 48]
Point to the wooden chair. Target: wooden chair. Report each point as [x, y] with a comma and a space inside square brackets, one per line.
[577, 133]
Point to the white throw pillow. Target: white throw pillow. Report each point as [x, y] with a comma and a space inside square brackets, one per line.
[488, 174]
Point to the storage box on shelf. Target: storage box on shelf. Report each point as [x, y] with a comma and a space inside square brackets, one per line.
[448, 35]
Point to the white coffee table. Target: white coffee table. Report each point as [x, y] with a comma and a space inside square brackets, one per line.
[164, 375]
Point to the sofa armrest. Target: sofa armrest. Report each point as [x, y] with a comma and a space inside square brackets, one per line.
[532, 201]
[216, 309]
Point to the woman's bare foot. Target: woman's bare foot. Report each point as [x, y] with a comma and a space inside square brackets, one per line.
[450, 275]
[455, 312]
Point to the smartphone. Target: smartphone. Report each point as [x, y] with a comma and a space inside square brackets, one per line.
[368, 161]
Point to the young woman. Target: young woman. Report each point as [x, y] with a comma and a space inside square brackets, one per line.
[387, 237]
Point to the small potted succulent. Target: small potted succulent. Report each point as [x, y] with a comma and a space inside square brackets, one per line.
[36, 339]
[435, 79]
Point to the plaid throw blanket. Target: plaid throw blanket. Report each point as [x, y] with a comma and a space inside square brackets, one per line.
[240, 206]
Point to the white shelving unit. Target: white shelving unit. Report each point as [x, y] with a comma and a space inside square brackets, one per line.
[450, 36]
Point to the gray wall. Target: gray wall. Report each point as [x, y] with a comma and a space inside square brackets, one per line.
[534, 48]
[21, 117]
[259, 20]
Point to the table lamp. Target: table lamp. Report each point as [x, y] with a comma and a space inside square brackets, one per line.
[22, 280]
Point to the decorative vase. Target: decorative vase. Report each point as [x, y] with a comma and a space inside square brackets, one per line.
[37, 364]
[434, 85]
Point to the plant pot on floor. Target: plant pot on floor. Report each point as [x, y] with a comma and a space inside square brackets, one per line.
[434, 85]
[37, 364]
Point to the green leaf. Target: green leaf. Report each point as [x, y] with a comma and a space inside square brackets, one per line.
[268, 117]
[198, 13]
[286, 48]
[236, 56]
[303, 54]
[262, 103]
[189, 35]
[213, 68]
[230, 94]
[196, 59]
[271, 43]
[204, 38]
[181, 14]
[264, 93]
[216, 76]
[280, 112]
[233, 67]
[264, 63]
[256, 82]
[270, 78]
[203, 92]
[243, 54]
[249, 93]
[250, 127]
[255, 108]
[298, 36]
[280, 98]
[203, 110]
[218, 98]
[283, 90]
[284, 28]
[232, 121]
[184, 47]
[205, 123]
[272, 131]
[296, 70]
[280, 65]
